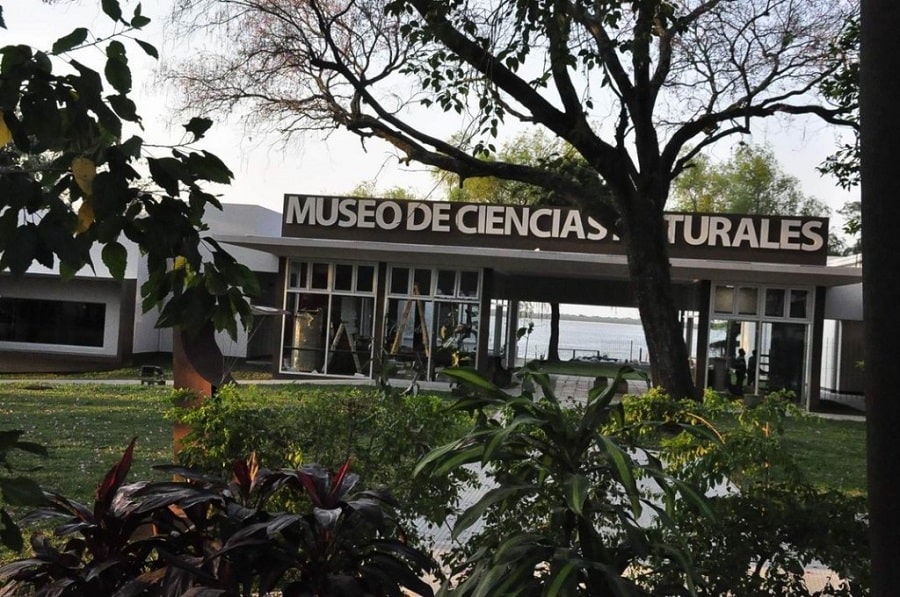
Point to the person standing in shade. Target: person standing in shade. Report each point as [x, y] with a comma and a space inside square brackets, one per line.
[751, 369]
[740, 372]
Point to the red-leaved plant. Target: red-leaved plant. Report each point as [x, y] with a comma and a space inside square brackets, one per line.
[202, 536]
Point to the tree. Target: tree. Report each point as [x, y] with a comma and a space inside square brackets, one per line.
[750, 182]
[69, 180]
[852, 225]
[629, 85]
[368, 189]
[700, 187]
[842, 87]
[879, 95]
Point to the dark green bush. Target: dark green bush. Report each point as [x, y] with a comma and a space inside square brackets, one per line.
[203, 536]
[771, 521]
[382, 433]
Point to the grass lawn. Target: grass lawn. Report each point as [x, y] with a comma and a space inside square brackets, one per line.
[238, 370]
[87, 426]
[832, 453]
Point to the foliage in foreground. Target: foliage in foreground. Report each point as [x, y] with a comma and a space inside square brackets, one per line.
[18, 490]
[566, 515]
[762, 524]
[205, 536]
[69, 180]
[608, 499]
[384, 433]
[771, 521]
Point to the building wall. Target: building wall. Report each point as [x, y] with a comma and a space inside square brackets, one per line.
[115, 349]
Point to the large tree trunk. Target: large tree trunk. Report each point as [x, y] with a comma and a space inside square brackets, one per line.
[553, 346]
[879, 97]
[648, 265]
[198, 366]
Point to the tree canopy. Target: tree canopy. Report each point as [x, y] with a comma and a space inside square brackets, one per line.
[72, 177]
[628, 85]
[751, 181]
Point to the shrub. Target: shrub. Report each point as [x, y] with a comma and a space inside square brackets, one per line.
[771, 522]
[384, 434]
[564, 516]
[211, 537]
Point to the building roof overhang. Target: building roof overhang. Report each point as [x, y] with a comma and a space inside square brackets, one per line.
[545, 263]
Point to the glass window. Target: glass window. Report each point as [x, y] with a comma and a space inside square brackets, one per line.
[798, 304]
[343, 277]
[297, 278]
[320, 276]
[422, 282]
[365, 278]
[747, 299]
[66, 323]
[724, 299]
[349, 346]
[446, 283]
[468, 283]
[775, 302]
[399, 280]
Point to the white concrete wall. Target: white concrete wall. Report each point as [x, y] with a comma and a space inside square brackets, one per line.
[77, 289]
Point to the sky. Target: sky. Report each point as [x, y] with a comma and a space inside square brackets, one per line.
[265, 170]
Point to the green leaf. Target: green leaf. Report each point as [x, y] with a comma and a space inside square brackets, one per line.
[115, 257]
[21, 491]
[10, 535]
[138, 20]
[436, 454]
[622, 467]
[149, 49]
[577, 488]
[66, 43]
[214, 282]
[198, 127]
[694, 497]
[207, 166]
[14, 56]
[465, 457]
[124, 107]
[475, 379]
[21, 251]
[116, 71]
[112, 9]
[501, 435]
[131, 148]
[477, 510]
[66, 270]
[166, 172]
[560, 579]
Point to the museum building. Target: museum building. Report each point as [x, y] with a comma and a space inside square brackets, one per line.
[352, 283]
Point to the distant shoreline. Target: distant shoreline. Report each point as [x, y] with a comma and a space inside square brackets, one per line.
[591, 318]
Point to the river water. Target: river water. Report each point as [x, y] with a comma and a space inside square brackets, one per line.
[584, 338]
